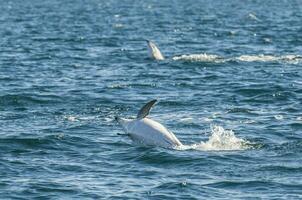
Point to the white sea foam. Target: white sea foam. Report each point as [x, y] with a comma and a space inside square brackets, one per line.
[278, 117]
[254, 58]
[219, 140]
[199, 57]
[118, 25]
[71, 118]
[78, 118]
[292, 59]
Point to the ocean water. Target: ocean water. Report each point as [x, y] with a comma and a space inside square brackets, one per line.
[230, 89]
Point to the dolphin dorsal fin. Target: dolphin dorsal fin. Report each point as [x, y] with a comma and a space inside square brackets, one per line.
[144, 111]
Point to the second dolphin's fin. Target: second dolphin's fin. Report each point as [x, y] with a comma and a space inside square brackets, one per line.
[144, 111]
[154, 51]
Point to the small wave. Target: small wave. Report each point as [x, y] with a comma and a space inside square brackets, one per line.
[220, 140]
[199, 57]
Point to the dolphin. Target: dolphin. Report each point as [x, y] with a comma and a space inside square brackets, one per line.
[154, 51]
[148, 132]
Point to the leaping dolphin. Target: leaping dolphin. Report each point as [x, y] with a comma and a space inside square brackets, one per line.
[154, 51]
[147, 131]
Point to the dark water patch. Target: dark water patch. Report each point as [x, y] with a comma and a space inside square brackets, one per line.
[49, 187]
[163, 158]
[282, 168]
[241, 110]
[287, 148]
[23, 145]
[27, 99]
[296, 126]
[249, 186]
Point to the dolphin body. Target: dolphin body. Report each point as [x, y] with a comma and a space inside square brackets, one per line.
[147, 131]
[154, 51]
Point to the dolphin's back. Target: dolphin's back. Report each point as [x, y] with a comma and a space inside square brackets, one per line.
[147, 131]
[150, 132]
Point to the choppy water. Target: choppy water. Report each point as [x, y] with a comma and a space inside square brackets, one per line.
[231, 90]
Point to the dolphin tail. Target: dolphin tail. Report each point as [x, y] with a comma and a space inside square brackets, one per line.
[154, 51]
[144, 111]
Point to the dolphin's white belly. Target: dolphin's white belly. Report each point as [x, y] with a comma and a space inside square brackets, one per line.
[150, 132]
[154, 51]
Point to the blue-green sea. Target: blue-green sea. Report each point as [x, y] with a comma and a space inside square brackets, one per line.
[230, 89]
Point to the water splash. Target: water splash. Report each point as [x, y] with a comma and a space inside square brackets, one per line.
[200, 57]
[219, 140]
[292, 59]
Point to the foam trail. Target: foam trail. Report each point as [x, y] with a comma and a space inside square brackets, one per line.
[199, 57]
[220, 140]
[292, 59]
[269, 58]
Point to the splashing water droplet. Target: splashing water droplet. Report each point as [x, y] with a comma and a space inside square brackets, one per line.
[220, 140]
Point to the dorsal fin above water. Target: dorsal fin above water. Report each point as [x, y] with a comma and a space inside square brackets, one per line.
[144, 111]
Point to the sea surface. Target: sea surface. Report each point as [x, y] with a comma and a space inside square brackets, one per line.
[230, 89]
